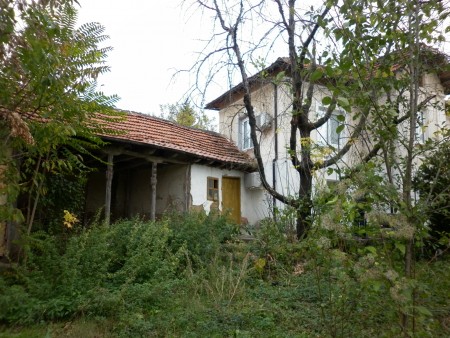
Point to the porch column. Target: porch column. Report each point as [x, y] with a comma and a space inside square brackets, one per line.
[109, 177]
[153, 199]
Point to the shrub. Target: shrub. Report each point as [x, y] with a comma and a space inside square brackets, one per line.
[106, 269]
[200, 234]
[432, 182]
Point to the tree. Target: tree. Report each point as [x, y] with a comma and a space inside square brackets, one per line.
[186, 115]
[50, 111]
[349, 48]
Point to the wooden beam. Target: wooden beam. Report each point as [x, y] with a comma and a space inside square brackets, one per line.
[144, 156]
[109, 177]
[130, 166]
[112, 150]
[153, 199]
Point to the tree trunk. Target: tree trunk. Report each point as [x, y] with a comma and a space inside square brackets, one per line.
[305, 207]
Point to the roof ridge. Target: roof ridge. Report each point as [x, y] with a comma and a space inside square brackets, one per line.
[149, 116]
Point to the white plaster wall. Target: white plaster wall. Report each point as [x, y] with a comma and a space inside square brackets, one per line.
[263, 100]
[286, 175]
[253, 202]
[287, 182]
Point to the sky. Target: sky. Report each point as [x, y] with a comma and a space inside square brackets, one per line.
[151, 40]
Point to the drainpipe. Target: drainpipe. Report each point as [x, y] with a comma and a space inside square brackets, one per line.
[275, 159]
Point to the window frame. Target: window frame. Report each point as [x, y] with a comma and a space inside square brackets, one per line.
[212, 192]
[419, 134]
[245, 140]
[325, 137]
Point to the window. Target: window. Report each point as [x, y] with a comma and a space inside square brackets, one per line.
[213, 189]
[328, 132]
[420, 128]
[245, 140]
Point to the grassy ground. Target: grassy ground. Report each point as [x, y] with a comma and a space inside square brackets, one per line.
[136, 280]
[285, 307]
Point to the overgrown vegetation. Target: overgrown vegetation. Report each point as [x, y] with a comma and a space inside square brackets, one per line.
[433, 184]
[51, 113]
[190, 276]
[360, 271]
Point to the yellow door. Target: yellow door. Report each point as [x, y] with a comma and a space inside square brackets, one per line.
[231, 198]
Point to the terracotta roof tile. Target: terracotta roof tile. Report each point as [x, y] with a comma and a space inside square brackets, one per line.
[163, 134]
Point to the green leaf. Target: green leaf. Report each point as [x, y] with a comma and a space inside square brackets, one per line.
[340, 128]
[424, 311]
[371, 249]
[376, 285]
[343, 102]
[280, 76]
[333, 201]
[400, 247]
[340, 118]
[326, 100]
[316, 75]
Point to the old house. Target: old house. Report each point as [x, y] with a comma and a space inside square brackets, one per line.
[272, 102]
[150, 166]
[153, 166]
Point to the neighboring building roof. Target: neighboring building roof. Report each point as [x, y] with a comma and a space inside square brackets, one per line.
[151, 131]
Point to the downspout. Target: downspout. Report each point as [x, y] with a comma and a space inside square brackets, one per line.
[275, 159]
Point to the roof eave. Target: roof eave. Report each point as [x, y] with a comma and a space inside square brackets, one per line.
[259, 78]
[242, 166]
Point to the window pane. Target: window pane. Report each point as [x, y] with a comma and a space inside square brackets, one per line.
[246, 139]
[212, 189]
[333, 136]
[420, 135]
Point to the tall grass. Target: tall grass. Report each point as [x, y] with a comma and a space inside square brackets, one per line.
[189, 276]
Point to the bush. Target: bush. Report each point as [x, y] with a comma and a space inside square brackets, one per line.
[138, 278]
[200, 234]
[105, 270]
[432, 181]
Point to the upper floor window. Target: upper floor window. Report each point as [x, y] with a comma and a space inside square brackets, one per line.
[329, 133]
[245, 139]
[420, 128]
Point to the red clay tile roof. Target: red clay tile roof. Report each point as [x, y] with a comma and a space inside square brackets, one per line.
[149, 130]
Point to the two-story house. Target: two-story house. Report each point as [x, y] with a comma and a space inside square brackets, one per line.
[272, 102]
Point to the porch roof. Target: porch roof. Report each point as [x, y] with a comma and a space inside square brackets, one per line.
[198, 145]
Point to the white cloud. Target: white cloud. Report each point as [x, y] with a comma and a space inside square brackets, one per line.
[151, 40]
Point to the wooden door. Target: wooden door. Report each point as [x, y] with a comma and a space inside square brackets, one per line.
[231, 198]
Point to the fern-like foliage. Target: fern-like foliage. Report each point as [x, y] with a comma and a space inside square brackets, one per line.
[48, 84]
